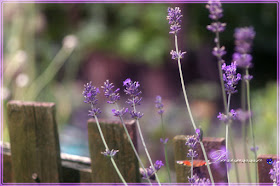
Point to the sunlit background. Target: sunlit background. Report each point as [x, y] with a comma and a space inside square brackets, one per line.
[52, 50]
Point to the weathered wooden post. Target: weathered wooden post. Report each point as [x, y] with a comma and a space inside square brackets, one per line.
[34, 141]
[102, 168]
[210, 144]
[264, 167]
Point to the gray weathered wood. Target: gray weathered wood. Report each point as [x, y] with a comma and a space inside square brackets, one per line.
[102, 168]
[264, 167]
[75, 169]
[180, 153]
[34, 142]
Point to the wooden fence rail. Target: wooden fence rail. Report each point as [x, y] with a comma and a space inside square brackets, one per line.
[33, 154]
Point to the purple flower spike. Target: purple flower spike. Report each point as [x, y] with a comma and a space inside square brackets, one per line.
[254, 149]
[164, 141]
[248, 77]
[227, 118]
[119, 113]
[113, 96]
[131, 88]
[192, 153]
[94, 112]
[174, 19]
[215, 9]
[242, 115]
[90, 92]
[217, 27]
[242, 60]
[191, 141]
[150, 173]
[176, 56]
[199, 181]
[219, 52]
[275, 172]
[110, 153]
[230, 77]
[136, 115]
[158, 164]
[159, 105]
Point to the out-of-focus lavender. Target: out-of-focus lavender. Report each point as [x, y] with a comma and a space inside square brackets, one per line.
[159, 105]
[227, 118]
[275, 172]
[199, 181]
[150, 171]
[110, 153]
[243, 45]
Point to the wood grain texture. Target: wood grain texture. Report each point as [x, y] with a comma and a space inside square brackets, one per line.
[75, 169]
[116, 138]
[180, 153]
[264, 167]
[34, 142]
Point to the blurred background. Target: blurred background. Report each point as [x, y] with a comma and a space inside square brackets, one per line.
[52, 50]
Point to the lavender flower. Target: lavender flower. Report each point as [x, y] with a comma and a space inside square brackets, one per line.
[275, 172]
[217, 27]
[119, 113]
[136, 115]
[164, 141]
[192, 153]
[158, 164]
[110, 153]
[176, 55]
[227, 118]
[159, 105]
[174, 17]
[219, 52]
[242, 115]
[150, 171]
[191, 141]
[90, 92]
[247, 77]
[113, 96]
[230, 77]
[199, 181]
[131, 88]
[243, 44]
[254, 149]
[215, 9]
[242, 60]
[199, 133]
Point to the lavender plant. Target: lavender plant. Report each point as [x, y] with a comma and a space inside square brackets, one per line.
[243, 44]
[113, 96]
[132, 89]
[159, 106]
[174, 19]
[275, 173]
[90, 94]
[215, 13]
[191, 142]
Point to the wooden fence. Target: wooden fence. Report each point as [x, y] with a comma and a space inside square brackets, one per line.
[33, 154]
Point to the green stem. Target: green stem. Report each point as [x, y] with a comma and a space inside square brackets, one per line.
[226, 106]
[106, 147]
[144, 145]
[244, 127]
[227, 126]
[189, 110]
[40, 82]
[234, 156]
[192, 169]
[251, 123]
[165, 150]
[133, 147]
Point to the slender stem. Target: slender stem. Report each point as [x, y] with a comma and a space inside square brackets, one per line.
[227, 152]
[144, 145]
[190, 113]
[234, 156]
[133, 147]
[165, 150]
[226, 106]
[244, 127]
[40, 82]
[251, 123]
[192, 169]
[106, 147]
